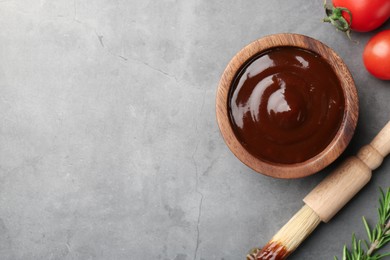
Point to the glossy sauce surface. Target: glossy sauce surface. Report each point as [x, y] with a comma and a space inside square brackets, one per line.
[286, 105]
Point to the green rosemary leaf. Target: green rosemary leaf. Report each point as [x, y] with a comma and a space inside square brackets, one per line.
[354, 244]
[373, 235]
[384, 241]
[378, 236]
[382, 256]
[380, 231]
[367, 230]
[345, 253]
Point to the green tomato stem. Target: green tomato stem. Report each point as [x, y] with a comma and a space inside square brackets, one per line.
[334, 15]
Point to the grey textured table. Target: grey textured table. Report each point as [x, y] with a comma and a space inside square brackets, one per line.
[109, 143]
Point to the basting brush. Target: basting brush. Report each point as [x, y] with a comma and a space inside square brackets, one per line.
[327, 198]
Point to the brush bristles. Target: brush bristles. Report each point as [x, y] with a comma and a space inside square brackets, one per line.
[289, 237]
[297, 228]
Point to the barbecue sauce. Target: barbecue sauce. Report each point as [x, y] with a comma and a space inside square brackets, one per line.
[286, 105]
[273, 251]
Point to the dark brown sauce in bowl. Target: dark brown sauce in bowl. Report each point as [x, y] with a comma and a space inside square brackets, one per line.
[286, 105]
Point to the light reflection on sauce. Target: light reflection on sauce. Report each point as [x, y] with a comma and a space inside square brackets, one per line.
[286, 105]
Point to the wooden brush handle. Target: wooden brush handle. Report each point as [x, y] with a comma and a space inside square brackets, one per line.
[340, 186]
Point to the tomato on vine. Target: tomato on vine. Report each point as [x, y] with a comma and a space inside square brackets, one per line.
[357, 15]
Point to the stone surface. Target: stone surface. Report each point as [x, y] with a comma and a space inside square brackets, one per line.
[109, 143]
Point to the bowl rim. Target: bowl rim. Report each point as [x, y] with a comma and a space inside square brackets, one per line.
[342, 137]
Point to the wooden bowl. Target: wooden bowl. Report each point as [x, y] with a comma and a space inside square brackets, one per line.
[343, 134]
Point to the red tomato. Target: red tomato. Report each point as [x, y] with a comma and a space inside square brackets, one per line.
[376, 55]
[367, 15]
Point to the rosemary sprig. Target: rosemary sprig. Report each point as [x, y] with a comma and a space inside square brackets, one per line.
[378, 236]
